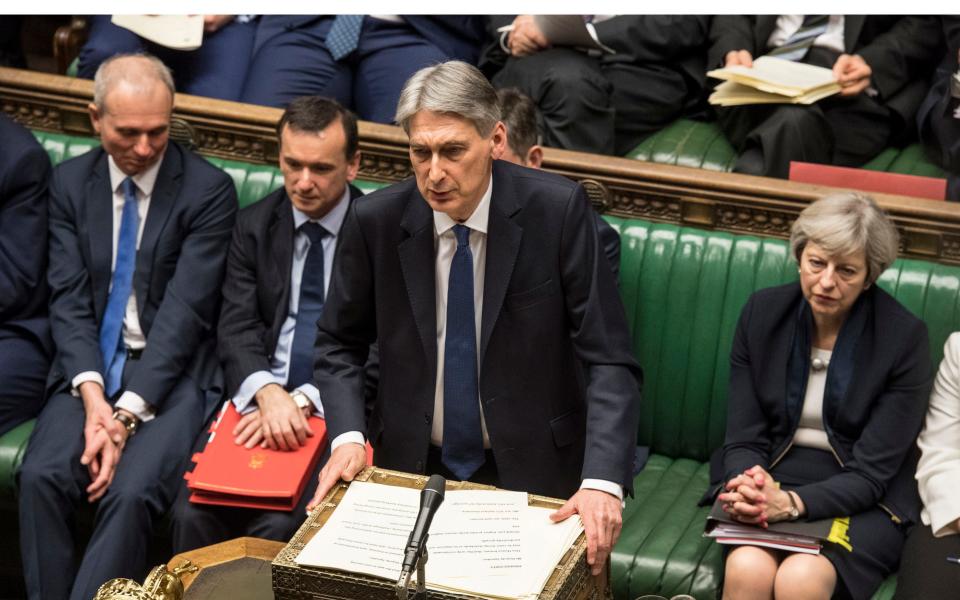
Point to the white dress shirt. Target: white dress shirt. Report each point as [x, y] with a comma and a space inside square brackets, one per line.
[133, 336]
[445, 243]
[787, 25]
[280, 361]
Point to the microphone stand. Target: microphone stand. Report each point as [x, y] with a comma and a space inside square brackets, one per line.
[404, 582]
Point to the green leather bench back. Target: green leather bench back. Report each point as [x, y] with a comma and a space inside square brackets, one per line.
[252, 181]
[683, 289]
[699, 144]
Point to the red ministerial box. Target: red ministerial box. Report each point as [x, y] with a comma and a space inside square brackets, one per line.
[933, 188]
[230, 475]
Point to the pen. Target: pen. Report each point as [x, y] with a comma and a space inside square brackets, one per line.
[954, 559]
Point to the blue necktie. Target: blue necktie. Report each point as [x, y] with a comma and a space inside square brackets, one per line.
[308, 309]
[344, 35]
[111, 342]
[462, 436]
[797, 45]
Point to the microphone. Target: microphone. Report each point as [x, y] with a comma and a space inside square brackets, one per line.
[430, 500]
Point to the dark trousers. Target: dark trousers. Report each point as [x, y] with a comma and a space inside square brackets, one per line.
[591, 105]
[199, 525]
[924, 572]
[842, 131]
[23, 373]
[295, 62]
[217, 69]
[52, 485]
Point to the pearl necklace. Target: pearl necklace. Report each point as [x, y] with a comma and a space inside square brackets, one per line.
[818, 364]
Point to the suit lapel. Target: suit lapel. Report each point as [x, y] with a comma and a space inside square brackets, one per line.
[165, 192]
[281, 252]
[852, 25]
[417, 263]
[99, 227]
[503, 245]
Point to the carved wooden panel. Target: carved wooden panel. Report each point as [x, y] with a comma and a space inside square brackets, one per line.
[617, 186]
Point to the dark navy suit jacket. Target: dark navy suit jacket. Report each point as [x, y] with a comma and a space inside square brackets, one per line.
[256, 291]
[179, 271]
[24, 173]
[550, 306]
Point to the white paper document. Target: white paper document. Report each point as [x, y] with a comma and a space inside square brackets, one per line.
[481, 541]
[180, 32]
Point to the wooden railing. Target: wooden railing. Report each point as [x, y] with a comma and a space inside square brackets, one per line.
[617, 186]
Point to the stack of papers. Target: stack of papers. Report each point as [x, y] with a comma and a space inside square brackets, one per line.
[794, 536]
[180, 32]
[482, 542]
[772, 80]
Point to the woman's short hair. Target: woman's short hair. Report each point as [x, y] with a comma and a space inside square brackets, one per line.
[846, 223]
[451, 87]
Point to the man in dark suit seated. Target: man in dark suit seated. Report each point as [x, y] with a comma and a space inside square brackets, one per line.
[881, 62]
[601, 102]
[361, 60]
[139, 230]
[25, 345]
[519, 116]
[938, 117]
[486, 289]
[279, 267]
[216, 69]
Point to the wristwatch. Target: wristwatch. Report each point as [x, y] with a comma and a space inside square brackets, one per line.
[794, 510]
[129, 423]
[301, 399]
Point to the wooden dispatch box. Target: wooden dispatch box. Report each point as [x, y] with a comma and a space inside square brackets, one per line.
[571, 579]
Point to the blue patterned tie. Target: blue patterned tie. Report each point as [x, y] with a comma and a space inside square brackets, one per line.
[797, 45]
[111, 342]
[462, 437]
[344, 35]
[308, 309]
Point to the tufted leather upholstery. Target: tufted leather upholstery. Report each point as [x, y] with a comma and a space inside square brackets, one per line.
[701, 144]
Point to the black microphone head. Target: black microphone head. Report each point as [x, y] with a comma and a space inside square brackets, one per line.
[437, 484]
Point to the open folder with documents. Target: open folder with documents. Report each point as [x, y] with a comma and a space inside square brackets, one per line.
[489, 543]
[773, 80]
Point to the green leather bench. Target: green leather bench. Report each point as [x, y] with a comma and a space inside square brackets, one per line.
[700, 144]
[683, 289]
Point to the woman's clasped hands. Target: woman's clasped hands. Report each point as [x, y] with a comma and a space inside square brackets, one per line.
[754, 497]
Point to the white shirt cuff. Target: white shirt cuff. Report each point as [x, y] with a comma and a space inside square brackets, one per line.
[310, 391]
[243, 400]
[84, 377]
[137, 405]
[350, 437]
[614, 489]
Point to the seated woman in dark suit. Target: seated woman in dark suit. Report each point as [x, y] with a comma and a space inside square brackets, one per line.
[925, 573]
[829, 382]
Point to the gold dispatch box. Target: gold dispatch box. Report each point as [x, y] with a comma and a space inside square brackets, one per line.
[571, 579]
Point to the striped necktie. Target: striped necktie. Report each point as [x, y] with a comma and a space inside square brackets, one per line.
[796, 46]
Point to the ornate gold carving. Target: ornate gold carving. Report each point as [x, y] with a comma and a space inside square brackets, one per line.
[758, 221]
[645, 205]
[183, 133]
[160, 584]
[598, 194]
